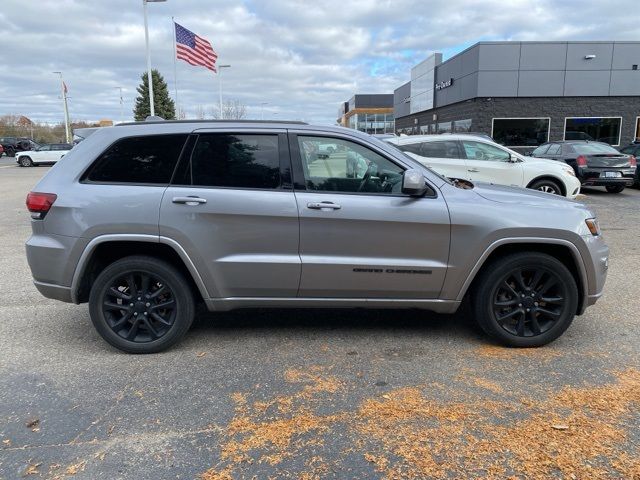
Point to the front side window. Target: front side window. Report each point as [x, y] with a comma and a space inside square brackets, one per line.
[605, 129]
[45, 148]
[236, 161]
[336, 165]
[484, 151]
[520, 132]
[147, 159]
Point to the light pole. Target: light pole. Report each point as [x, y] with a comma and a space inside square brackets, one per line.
[146, 39]
[220, 67]
[121, 102]
[66, 108]
[262, 104]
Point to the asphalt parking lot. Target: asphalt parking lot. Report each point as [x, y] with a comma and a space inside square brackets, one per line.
[318, 394]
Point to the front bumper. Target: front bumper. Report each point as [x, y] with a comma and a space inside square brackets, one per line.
[597, 264]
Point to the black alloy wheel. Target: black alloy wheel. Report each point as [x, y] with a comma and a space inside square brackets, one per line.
[525, 299]
[547, 186]
[139, 307]
[141, 304]
[529, 301]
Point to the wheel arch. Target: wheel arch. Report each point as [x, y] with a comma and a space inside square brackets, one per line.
[104, 250]
[563, 187]
[562, 250]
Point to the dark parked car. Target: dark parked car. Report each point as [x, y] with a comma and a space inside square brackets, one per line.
[633, 149]
[11, 145]
[595, 163]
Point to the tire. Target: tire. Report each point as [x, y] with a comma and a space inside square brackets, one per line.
[26, 161]
[10, 152]
[547, 186]
[122, 327]
[614, 188]
[542, 311]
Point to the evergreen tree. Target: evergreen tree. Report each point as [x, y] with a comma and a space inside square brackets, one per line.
[163, 104]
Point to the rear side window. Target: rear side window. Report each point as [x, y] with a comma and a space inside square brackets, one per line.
[554, 149]
[236, 161]
[410, 147]
[440, 149]
[148, 159]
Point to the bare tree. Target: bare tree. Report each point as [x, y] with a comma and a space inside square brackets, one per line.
[232, 109]
[200, 115]
[181, 114]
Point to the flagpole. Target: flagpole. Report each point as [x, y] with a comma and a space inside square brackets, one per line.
[175, 69]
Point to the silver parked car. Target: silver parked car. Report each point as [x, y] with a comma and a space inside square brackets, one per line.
[144, 220]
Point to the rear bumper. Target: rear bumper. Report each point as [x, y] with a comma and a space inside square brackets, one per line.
[591, 176]
[56, 292]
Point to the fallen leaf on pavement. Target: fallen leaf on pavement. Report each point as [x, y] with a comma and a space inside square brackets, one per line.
[32, 469]
[560, 427]
[201, 354]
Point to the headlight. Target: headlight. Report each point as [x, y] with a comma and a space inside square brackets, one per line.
[592, 225]
[569, 171]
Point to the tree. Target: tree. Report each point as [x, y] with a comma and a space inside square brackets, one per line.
[231, 110]
[164, 106]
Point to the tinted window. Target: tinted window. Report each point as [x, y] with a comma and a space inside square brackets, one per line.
[440, 150]
[540, 150]
[45, 148]
[148, 159]
[601, 129]
[348, 167]
[554, 149]
[484, 151]
[593, 148]
[521, 132]
[241, 161]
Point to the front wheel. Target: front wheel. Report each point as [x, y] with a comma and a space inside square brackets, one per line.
[141, 305]
[547, 186]
[26, 161]
[525, 299]
[614, 188]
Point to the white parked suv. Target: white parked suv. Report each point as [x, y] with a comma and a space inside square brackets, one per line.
[44, 154]
[478, 159]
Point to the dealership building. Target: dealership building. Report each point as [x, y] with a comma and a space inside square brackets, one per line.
[371, 113]
[526, 93]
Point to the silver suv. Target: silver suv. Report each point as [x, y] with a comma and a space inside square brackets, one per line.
[145, 220]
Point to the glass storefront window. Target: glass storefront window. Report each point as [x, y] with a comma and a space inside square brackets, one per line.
[601, 129]
[462, 125]
[520, 132]
[444, 127]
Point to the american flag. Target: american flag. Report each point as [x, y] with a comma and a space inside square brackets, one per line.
[194, 49]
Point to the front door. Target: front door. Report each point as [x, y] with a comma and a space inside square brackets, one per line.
[235, 214]
[360, 237]
[491, 164]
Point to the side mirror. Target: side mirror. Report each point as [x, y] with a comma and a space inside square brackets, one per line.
[413, 183]
[513, 158]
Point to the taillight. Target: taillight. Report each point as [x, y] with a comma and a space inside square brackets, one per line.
[39, 203]
[581, 161]
[632, 161]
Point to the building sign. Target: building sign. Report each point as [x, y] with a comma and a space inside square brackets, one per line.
[444, 84]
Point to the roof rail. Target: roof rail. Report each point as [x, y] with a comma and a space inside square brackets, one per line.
[153, 120]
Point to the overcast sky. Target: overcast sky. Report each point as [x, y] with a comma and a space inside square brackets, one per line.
[303, 57]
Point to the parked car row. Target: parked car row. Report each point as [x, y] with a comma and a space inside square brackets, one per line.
[476, 158]
[555, 167]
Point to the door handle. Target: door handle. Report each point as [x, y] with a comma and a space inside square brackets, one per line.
[474, 170]
[323, 205]
[189, 200]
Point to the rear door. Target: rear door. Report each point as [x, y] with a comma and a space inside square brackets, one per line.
[490, 163]
[232, 208]
[360, 237]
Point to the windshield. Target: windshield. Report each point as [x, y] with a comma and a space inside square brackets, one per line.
[594, 148]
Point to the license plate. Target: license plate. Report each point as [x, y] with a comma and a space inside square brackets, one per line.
[611, 174]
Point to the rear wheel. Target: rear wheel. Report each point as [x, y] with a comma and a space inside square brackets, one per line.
[141, 305]
[26, 161]
[614, 188]
[547, 186]
[525, 299]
